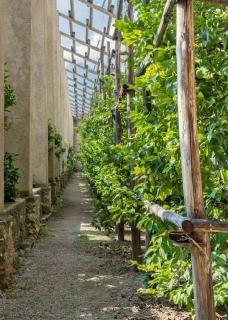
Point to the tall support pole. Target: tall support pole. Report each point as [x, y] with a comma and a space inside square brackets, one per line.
[103, 95]
[192, 185]
[1, 106]
[108, 71]
[116, 114]
[135, 233]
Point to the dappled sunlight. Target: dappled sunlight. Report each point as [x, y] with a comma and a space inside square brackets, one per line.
[92, 233]
[98, 237]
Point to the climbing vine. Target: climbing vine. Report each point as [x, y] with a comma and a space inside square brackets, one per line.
[154, 148]
[11, 173]
[71, 160]
[55, 141]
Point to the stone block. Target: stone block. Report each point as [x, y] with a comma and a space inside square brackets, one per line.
[33, 215]
[46, 199]
[58, 186]
[53, 192]
[13, 235]
[17, 211]
[8, 255]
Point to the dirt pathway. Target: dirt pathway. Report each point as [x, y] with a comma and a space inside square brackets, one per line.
[72, 273]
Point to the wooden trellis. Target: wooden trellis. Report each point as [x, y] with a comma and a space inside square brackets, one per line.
[79, 100]
[195, 227]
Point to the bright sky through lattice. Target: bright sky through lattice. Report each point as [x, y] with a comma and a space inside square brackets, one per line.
[83, 80]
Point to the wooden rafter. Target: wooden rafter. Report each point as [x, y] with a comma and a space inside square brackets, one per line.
[81, 24]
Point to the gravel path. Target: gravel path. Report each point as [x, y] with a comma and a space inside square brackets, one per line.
[70, 275]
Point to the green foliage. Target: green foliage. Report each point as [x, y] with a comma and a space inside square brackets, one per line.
[71, 160]
[11, 177]
[44, 232]
[55, 210]
[9, 98]
[154, 151]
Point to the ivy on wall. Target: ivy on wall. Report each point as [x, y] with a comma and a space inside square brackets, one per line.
[11, 173]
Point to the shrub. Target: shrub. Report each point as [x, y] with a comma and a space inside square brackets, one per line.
[11, 177]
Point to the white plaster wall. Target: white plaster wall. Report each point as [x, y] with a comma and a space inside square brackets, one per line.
[18, 57]
[39, 94]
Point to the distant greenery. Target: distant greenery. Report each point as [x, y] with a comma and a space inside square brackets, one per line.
[154, 150]
[71, 160]
[11, 178]
[9, 98]
[11, 173]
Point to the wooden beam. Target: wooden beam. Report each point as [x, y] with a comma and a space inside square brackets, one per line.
[119, 15]
[84, 25]
[84, 97]
[190, 161]
[222, 2]
[80, 66]
[210, 225]
[80, 55]
[186, 224]
[98, 8]
[86, 44]
[78, 89]
[81, 84]
[79, 75]
[165, 20]
[183, 223]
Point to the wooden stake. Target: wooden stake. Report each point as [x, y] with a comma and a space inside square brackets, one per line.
[117, 124]
[135, 233]
[192, 185]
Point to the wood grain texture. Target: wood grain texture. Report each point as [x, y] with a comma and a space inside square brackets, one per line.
[192, 185]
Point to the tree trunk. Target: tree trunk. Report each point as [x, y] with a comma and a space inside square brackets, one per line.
[135, 242]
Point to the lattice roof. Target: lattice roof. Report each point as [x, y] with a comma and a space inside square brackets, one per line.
[86, 29]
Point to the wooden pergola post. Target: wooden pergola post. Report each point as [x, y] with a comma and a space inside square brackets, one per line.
[190, 161]
[135, 232]
[116, 113]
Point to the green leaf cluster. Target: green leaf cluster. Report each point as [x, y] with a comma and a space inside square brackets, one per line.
[152, 155]
[71, 160]
[11, 177]
[11, 173]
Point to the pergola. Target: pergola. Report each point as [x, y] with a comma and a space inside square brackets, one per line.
[87, 39]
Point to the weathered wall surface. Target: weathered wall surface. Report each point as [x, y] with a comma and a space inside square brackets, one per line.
[1, 106]
[39, 93]
[30, 45]
[18, 58]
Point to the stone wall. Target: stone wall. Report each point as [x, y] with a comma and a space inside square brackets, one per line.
[20, 225]
[30, 47]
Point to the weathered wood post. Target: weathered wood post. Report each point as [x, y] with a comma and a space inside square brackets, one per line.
[135, 232]
[1, 106]
[116, 113]
[102, 91]
[192, 185]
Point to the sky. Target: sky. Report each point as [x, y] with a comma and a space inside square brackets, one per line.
[100, 21]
